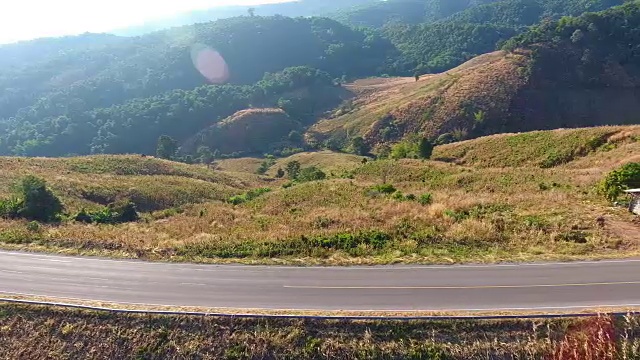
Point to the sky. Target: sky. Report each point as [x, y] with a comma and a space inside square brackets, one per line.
[29, 19]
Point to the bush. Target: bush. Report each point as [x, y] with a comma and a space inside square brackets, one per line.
[384, 188]
[33, 226]
[398, 195]
[9, 208]
[248, 196]
[311, 173]
[425, 199]
[84, 217]
[38, 203]
[120, 212]
[626, 177]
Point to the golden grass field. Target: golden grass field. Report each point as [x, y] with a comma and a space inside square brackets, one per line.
[493, 199]
[36, 332]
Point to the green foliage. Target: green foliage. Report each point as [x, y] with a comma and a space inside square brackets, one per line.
[205, 155]
[436, 46]
[311, 173]
[266, 165]
[120, 212]
[359, 146]
[383, 189]
[626, 177]
[37, 202]
[412, 148]
[425, 199]
[248, 196]
[293, 169]
[167, 147]
[280, 173]
[10, 208]
[425, 148]
[77, 99]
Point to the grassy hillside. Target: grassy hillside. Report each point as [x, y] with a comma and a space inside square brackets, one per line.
[152, 184]
[42, 332]
[602, 147]
[390, 109]
[468, 204]
[558, 75]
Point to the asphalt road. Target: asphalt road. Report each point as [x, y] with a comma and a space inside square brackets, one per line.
[398, 288]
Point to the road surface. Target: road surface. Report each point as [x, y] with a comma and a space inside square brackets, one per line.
[398, 288]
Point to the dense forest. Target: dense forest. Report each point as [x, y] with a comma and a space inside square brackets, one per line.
[441, 45]
[99, 93]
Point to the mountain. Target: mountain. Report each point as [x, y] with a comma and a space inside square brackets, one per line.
[441, 45]
[291, 9]
[99, 93]
[54, 98]
[575, 72]
[382, 13]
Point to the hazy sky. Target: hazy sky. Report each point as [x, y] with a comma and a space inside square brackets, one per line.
[28, 19]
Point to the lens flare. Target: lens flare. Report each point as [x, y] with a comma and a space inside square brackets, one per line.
[210, 64]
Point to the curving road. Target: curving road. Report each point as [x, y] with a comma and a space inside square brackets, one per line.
[398, 288]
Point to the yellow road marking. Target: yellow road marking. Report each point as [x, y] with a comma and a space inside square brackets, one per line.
[460, 287]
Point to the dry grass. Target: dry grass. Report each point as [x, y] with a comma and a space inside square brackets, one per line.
[327, 161]
[598, 147]
[45, 332]
[433, 105]
[478, 214]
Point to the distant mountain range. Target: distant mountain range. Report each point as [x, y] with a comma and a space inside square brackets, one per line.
[291, 9]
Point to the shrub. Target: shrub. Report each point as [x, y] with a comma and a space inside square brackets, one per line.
[9, 208]
[248, 196]
[38, 202]
[384, 188]
[124, 211]
[398, 195]
[83, 216]
[266, 164]
[628, 176]
[33, 226]
[120, 212]
[293, 169]
[287, 185]
[425, 199]
[311, 173]
[425, 148]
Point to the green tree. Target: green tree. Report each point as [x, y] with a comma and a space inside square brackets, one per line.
[626, 177]
[311, 173]
[295, 137]
[280, 173]
[38, 202]
[425, 148]
[359, 146]
[205, 155]
[293, 169]
[167, 147]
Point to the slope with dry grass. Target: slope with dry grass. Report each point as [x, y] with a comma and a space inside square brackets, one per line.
[602, 147]
[493, 93]
[483, 204]
[45, 332]
[153, 184]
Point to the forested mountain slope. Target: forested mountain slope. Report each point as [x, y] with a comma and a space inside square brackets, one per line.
[51, 99]
[438, 46]
[108, 94]
[579, 71]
